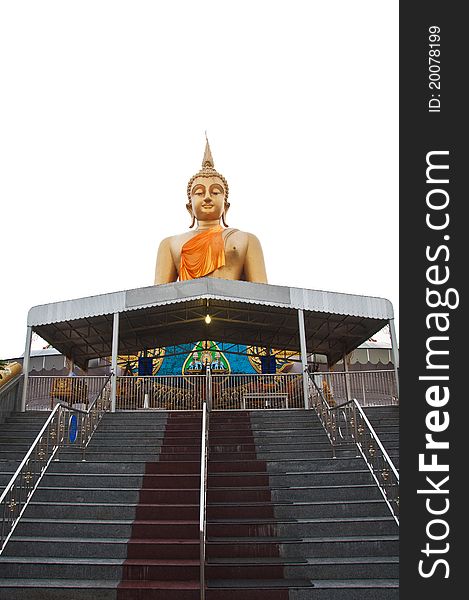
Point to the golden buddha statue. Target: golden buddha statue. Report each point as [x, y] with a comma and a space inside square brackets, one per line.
[212, 249]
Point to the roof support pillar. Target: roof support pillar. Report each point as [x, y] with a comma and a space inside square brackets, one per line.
[303, 355]
[115, 345]
[394, 353]
[27, 353]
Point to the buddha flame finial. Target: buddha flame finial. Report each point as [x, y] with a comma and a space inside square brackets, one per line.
[208, 159]
[208, 170]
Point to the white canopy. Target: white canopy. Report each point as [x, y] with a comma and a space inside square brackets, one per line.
[241, 312]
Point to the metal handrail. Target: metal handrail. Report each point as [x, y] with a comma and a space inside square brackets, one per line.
[95, 413]
[371, 429]
[109, 377]
[358, 372]
[375, 436]
[203, 480]
[52, 437]
[380, 464]
[358, 429]
[376, 387]
[341, 405]
[326, 416]
[44, 391]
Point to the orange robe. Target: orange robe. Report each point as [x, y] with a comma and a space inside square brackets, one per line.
[202, 254]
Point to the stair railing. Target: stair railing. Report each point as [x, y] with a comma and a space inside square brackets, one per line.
[63, 428]
[327, 417]
[206, 407]
[348, 423]
[380, 464]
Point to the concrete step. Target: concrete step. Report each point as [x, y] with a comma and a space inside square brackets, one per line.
[142, 445]
[299, 510]
[95, 569]
[320, 547]
[306, 463]
[111, 511]
[64, 547]
[38, 567]
[287, 510]
[326, 493]
[128, 493]
[64, 465]
[365, 589]
[181, 529]
[307, 527]
[289, 479]
[123, 480]
[85, 495]
[58, 589]
[13, 448]
[90, 528]
[28, 416]
[376, 567]
[323, 451]
[217, 590]
[282, 436]
[94, 547]
[10, 465]
[115, 456]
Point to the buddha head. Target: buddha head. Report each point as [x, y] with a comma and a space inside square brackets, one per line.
[207, 192]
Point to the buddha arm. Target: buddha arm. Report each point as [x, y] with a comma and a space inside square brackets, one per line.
[254, 266]
[165, 270]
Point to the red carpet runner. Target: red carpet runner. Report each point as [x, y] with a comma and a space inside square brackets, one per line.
[163, 552]
[239, 499]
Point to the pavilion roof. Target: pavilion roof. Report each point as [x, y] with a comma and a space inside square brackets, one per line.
[241, 312]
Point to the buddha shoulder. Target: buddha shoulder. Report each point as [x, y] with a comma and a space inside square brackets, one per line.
[241, 239]
[173, 243]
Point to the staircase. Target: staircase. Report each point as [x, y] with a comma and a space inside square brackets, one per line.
[287, 521]
[72, 541]
[284, 519]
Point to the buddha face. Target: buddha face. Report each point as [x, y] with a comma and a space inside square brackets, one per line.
[208, 198]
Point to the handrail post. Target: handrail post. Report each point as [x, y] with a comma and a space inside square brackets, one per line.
[115, 345]
[84, 427]
[203, 495]
[303, 355]
[395, 353]
[27, 353]
[59, 440]
[208, 387]
[347, 379]
[355, 428]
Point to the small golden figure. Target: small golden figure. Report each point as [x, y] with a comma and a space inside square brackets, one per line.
[213, 249]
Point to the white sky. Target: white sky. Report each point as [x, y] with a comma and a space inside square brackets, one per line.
[103, 108]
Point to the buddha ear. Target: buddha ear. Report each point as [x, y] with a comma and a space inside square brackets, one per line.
[223, 217]
[191, 212]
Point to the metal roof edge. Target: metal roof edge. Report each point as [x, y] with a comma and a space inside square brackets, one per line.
[211, 287]
[77, 308]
